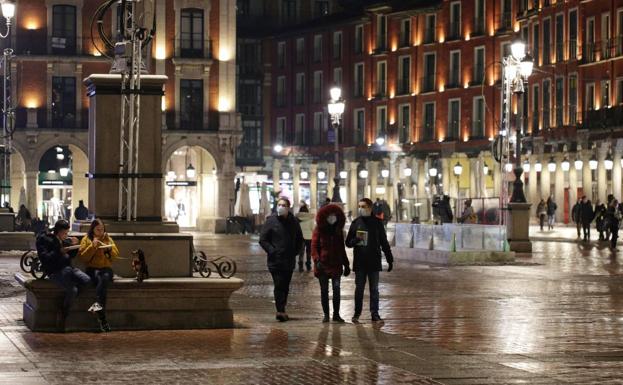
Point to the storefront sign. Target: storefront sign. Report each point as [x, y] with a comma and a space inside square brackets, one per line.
[181, 183]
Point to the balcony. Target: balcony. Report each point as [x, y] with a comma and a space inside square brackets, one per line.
[66, 121]
[479, 26]
[546, 118]
[427, 84]
[505, 22]
[559, 52]
[593, 52]
[380, 49]
[603, 118]
[37, 43]
[573, 49]
[454, 31]
[403, 87]
[380, 91]
[405, 39]
[429, 35]
[193, 49]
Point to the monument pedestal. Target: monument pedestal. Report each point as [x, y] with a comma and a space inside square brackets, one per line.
[517, 227]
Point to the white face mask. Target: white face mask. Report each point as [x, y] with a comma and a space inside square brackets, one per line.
[364, 212]
[282, 211]
[331, 219]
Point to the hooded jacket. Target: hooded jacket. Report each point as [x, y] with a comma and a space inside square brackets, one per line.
[53, 258]
[282, 239]
[328, 242]
[367, 257]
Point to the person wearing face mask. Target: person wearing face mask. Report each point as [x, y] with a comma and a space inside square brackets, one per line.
[282, 239]
[329, 256]
[367, 237]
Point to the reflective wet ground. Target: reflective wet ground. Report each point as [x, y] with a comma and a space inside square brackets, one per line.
[555, 317]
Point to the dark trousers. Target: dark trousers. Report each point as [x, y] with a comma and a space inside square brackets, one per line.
[541, 220]
[360, 285]
[281, 281]
[101, 278]
[578, 225]
[71, 279]
[587, 231]
[305, 250]
[614, 232]
[324, 293]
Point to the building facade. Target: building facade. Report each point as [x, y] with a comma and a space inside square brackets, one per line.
[56, 46]
[427, 78]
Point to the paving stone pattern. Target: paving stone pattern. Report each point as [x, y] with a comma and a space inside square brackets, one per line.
[555, 317]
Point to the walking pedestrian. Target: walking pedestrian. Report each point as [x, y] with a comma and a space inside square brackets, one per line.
[576, 215]
[329, 254]
[586, 216]
[601, 220]
[307, 222]
[282, 240]
[97, 251]
[613, 216]
[53, 250]
[551, 213]
[367, 238]
[541, 213]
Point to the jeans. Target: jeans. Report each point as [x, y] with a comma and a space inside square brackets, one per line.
[101, 278]
[281, 280]
[360, 285]
[306, 249]
[614, 231]
[71, 279]
[578, 225]
[550, 220]
[323, 279]
[587, 231]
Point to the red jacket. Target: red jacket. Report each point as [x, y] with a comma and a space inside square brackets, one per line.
[328, 242]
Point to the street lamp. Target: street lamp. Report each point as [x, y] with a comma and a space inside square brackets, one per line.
[336, 109]
[608, 163]
[565, 165]
[408, 171]
[321, 175]
[8, 11]
[551, 166]
[578, 164]
[385, 173]
[458, 170]
[380, 140]
[363, 174]
[538, 167]
[278, 148]
[485, 169]
[304, 175]
[526, 166]
[517, 68]
[190, 171]
[593, 163]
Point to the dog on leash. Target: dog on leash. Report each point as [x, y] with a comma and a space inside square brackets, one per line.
[139, 265]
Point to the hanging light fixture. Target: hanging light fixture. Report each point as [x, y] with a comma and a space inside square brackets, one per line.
[190, 171]
[458, 169]
[385, 173]
[64, 171]
[59, 149]
[304, 175]
[380, 140]
[60, 156]
[363, 174]
[285, 175]
[171, 174]
[608, 163]
[432, 171]
[526, 166]
[578, 164]
[565, 165]
[485, 169]
[407, 171]
[551, 165]
[508, 167]
[593, 163]
[343, 174]
[321, 175]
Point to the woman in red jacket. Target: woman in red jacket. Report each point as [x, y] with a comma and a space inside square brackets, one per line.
[329, 255]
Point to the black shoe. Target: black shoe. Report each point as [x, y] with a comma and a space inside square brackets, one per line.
[325, 319]
[281, 317]
[376, 318]
[300, 267]
[355, 319]
[104, 326]
[337, 318]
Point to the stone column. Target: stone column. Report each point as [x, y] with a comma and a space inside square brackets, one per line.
[373, 177]
[445, 175]
[296, 181]
[545, 178]
[474, 185]
[330, 176]
[587, 177]
[573, 187]
[533, 196]
[559, 189]
[353, 196]
[421, 179]
[602, 182]
[31, 192]
[616, 176]
[313, 187]
[408, 180]
[276, 175]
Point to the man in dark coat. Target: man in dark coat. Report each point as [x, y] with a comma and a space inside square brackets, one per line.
[442, 210]
[52, 248]
[576, 214]
[367, 236]
[81, 212]
[282, 240]
[586, 216]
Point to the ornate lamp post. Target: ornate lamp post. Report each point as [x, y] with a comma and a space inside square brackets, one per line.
[336, 109]
[517, 69]
[8, 11]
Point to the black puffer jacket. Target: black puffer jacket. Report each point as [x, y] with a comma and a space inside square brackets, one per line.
[52, 258]
[282, 240]
[368, 258]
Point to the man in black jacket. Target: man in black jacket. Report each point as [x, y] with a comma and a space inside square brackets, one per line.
[52, 248]
[576, 216]
[282, 240]
[367, 236]
[586, 216]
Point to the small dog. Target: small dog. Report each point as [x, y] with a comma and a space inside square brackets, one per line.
[139, 265]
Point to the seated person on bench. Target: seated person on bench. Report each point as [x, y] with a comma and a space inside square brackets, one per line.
[53, 248]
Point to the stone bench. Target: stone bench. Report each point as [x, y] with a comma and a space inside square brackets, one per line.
[156, 303]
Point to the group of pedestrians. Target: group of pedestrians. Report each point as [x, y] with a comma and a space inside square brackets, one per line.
[607, 218]
[96, 250]
[282, 239]
[546, 211]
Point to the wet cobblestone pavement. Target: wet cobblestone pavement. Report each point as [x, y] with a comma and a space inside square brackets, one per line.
[553, 318]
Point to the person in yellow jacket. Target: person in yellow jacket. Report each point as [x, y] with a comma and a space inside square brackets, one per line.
[97, 250]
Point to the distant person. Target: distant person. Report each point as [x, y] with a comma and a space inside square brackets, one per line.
[307, 223]
[601, 220]
[551, 213]
[329, 254]
[97, 251]
[23, 220]
[52, 248]
[282, 239]
[541, 213]
[586, 216]
[576, 216]
[468, 216]
[7, 206]
[613, 215]
[367, 237]
[442, 210]
[81, 213]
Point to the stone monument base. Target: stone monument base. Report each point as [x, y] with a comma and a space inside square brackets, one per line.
[517, 228]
